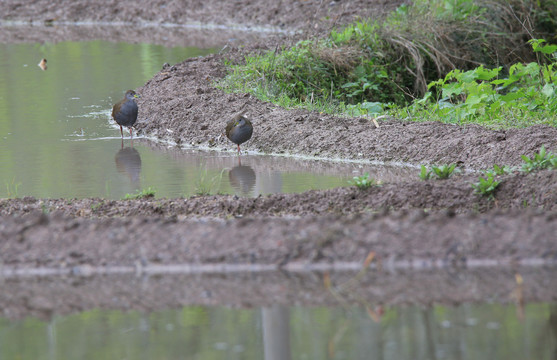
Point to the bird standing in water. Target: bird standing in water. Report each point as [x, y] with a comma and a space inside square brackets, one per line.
[239, 129]
[125, 112]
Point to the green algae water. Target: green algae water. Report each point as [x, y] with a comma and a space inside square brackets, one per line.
[466, 332]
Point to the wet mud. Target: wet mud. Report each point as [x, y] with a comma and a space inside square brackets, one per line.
[439, 222]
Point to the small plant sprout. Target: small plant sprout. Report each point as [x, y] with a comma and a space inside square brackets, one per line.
[486, 186]
[501, 170]
[141, 194]
[12, 189]
[541, 160]
[442, 171]
[425, 174]
[364, 181]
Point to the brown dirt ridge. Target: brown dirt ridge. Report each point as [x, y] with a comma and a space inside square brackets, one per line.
[436, 220]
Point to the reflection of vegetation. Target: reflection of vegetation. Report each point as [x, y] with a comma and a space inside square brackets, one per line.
[212, 332]
[205, 185]
[141, 194]
[348, 287]
[12, 189]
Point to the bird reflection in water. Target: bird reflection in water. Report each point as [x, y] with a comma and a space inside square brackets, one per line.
[242, 178]
[128, 162]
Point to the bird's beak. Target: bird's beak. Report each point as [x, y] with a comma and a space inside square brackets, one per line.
[137, 96]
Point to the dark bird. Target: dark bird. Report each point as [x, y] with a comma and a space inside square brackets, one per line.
[125, 112]
[239, 129]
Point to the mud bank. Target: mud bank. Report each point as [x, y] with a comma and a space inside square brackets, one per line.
[42, 297]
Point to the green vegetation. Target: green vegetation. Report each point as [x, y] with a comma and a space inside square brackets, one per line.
[141, 194]
[441, 172]
[364, 181]
[501, 170]
[12, 189]
[486, 185]
[541, 160]
[425, 174]
[96, 206]
[525, 96]
[476, 48]
[206, 186]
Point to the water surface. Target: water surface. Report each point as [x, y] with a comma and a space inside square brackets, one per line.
[469, 331]
[57, 138]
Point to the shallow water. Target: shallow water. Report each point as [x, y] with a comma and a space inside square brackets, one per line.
[57, 138]
[469, 331]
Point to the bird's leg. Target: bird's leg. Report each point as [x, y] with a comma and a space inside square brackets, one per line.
[121, 132]
[238, 149]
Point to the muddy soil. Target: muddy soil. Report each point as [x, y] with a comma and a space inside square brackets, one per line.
[44, 296]
[440, 223]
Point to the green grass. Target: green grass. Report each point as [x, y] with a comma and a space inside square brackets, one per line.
[206, 185]
[456, 61]
[141, 194]
[12, 189]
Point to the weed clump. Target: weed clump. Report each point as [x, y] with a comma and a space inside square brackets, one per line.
[541, 160]
[141, 194]
[367, 66]
[487, 185]
[363, 182]
[441, 172]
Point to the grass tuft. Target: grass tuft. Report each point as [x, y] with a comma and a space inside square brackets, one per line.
[141, 194]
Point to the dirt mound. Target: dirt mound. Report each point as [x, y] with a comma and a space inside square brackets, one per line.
[440, 239]
[42, 297]
[291, 15]
[536, 191]
[182, 105]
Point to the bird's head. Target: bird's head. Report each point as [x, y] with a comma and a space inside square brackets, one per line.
[130, 94]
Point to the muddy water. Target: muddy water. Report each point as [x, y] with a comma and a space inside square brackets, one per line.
[486, 331]
[57, 138]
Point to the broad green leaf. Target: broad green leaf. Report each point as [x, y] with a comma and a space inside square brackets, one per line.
[548, 90]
